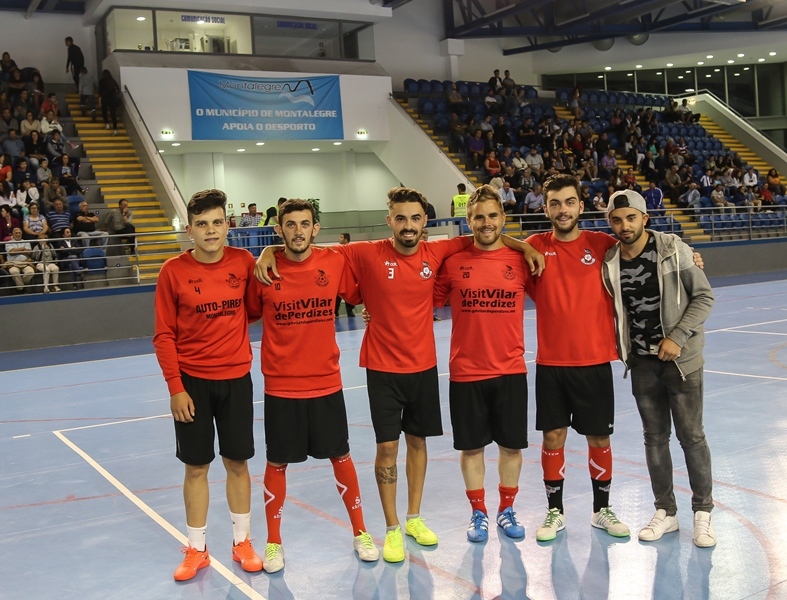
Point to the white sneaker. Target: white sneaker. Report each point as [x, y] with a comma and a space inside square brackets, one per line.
[704, 534]
[554, 522]
[606, 519]
[106, 125]
[660, 524]
[365, 548]
[274, 558]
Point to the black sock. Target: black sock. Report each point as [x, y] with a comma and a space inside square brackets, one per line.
[600, 493]
[554, 491]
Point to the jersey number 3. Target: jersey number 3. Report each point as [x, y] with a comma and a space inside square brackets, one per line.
[390, 273]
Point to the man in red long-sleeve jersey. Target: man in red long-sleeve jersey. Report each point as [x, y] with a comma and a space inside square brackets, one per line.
[488, 378]
[396, 281]
[202, 345]
[573, 372]
[304, 404]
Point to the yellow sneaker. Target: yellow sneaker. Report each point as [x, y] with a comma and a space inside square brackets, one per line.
[393, 549]
[417, 529]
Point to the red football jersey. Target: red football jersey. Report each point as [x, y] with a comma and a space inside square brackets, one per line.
[487, 294]
[201, 321]
[300, 357]
[398, 290]
[574, 315]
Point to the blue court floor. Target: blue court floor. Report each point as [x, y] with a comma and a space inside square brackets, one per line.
[91, 504]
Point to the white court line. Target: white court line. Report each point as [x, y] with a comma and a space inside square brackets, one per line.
[747, 375]
[742, 326]
[16, 437]
[115, 422]
[756, 332]
[244, 587]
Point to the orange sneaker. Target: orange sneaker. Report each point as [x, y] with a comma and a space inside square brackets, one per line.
[193, 562]
[244, 554]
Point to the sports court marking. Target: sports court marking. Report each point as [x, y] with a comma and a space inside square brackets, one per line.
[744, 326]
[747, 375]
[244, 587]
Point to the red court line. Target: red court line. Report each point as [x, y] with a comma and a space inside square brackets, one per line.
[71, 385]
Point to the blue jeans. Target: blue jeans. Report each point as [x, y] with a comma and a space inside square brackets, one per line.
[663, 396]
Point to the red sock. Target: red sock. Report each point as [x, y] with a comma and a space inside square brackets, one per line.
[507, 496]
[274, 490]
[553, 462]
[600, 463]
[347, 484]
[476, 498]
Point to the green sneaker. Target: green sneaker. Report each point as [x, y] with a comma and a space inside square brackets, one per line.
[554, 522]
[393, 549]
[417, 529]
[605, 519]
[274, 558]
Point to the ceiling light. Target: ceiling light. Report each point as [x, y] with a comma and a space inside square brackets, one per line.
[639, 66]
[737, 74]
[140, 18]
[689, 89]
[708, 75]
[716, 70]
[741, 55]
[669, 64]
[629, 74]
[709, 56]
[337, 143]
[680, 76]
[745, 68]
[241, 149]
[161, 152]
[176, 144]
[729, 62]
[760, 60]
[701, 62]
[658, 73]
[607, 68]
[771, 54]
[315, 149]
[260, 144]
[688, 71]
[601, 77]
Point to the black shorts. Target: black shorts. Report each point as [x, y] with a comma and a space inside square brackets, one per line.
[296, 428]
[490, 410]
[580, 397]
[408, 402]
[228, 402]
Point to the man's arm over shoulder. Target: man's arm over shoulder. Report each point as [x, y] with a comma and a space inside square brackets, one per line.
[700, 296]
[166, 330]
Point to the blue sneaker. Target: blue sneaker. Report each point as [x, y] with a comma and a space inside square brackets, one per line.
[506, 520]
[478, 531]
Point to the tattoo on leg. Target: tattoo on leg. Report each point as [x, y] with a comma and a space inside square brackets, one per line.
[385, 474]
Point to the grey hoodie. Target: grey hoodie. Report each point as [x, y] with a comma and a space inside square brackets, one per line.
[686, 301]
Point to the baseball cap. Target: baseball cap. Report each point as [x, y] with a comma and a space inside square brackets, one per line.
[627, 199]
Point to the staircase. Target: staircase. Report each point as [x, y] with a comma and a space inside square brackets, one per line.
[733, 145]
[120, 174]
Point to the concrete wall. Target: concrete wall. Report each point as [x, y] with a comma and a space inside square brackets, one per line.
[739, 258]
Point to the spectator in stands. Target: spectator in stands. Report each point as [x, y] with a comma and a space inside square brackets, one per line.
[7, 169]
[471, 126]
[53, 192]
[19, 260]
[85, 226]
[15, 86]
[456, 104]
[753, 199]
[492, 166]
[22, 173]
[7, 66]
[43, 173]
[87, 93]
[8, 222]
[486, 124]
[663, 163]
[14, 146]
[35, 226]
[608, 164]
[673, 184]
[51, 124]
[518, 162]
[22, 106]
[727, 181]
[516, 179]
[45, 259]
[456, 134]
[505, 158]
[55, 148]
[738, 196]
[121, 224]
[431, 214]
[7, 123]
[654, 200]
[589, 171]
[574, 104]
[710, 163]
[68, 177]
[489, 142]
[508, 81]
[35, 149]
[69, 256]
[252, 218]
[26, 194]
[630, 180]
[766, 197]
[75, 59]
[58, 218]
[718, 199]
[708, 182]
[50, 105]
[751, 177]
[509, 103]
[520, 96]
[271, 217]
[109, 93]
[691, 199]
[36, 89]
[527, 133]
[495, 83]
[491, 103]
[501, 135]
[507, 197]
[774, 183]
[4, 103]
[536, 163]
[475, 150]
[599, 203]
[534, 200]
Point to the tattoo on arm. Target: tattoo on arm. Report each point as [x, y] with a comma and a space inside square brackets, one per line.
[385, 475]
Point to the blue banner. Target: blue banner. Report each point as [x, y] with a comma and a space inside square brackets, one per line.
[226, 107]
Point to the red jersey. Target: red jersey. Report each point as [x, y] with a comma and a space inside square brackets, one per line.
[300, 357]
[574, 315]
[398, 290]
[487, 294]
[201, 322]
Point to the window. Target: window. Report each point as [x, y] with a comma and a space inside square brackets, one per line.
[679, 80]
[770, 89]
[711, 79]
[740, 87]
[130, 29]
[650, 81]
[212, 33]
[620, 81]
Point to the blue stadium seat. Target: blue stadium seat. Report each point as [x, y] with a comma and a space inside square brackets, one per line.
[411, 86]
